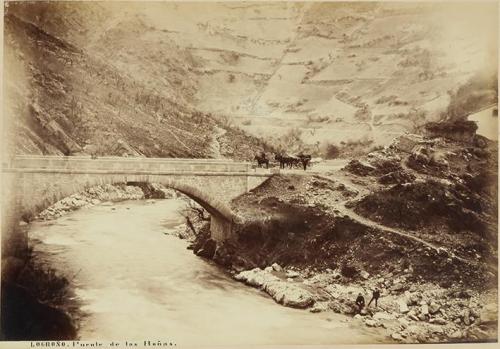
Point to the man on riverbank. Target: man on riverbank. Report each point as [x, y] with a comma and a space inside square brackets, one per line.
[375, 296]
[360, 302]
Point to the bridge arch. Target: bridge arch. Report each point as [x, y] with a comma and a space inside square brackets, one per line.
[31, 205]
[31, 184]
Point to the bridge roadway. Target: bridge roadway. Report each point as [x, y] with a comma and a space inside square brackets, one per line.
[32, 183]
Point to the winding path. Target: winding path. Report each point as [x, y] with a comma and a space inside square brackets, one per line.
[361, 191]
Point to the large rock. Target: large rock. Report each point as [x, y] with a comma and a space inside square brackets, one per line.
[319, 307]
[289, 295]
[403, 307]
[277, 267]
[456, 334]
[256, 277]
[396, 336]
[424, 309]
[438, 321]
[434, 307]
[398, 287]
[281, 291]
[413, 299]
[364, 274]
[488, 313]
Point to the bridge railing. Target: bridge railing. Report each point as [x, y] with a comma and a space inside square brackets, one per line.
[114, 158]
[82, 163]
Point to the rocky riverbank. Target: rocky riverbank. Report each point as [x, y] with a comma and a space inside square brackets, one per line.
[408, 312]
[105, 193]
[417, 220]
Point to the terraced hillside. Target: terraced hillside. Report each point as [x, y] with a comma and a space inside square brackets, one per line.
[337, 71]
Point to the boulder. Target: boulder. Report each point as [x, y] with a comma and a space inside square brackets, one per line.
[396, 336]
[371, 323]
[403, 307]
[456, 335]
[289, 295]
[276, 267]
[319, 307]
[438, 321]
[364, 274]
[413, 299]
[414, 317]
[424, 309]
[268, 269]
[398, 287]
[292, 274]
[434, 307]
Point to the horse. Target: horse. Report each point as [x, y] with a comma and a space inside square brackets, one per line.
[286, 161]
[283, 160]
[305, 160]
[262, 160]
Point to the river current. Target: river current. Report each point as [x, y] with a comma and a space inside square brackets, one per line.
[137, 282]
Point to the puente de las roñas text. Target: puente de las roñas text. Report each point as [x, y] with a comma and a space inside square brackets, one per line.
[33, 183]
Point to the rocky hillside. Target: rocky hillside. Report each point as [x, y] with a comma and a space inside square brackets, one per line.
[416, 219]
[63, 98]
[337, 71]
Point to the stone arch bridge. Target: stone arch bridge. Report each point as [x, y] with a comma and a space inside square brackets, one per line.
[33, 183]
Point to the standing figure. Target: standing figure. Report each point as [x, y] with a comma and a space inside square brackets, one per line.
[375, 297]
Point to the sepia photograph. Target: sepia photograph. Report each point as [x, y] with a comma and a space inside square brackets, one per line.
[249, 173]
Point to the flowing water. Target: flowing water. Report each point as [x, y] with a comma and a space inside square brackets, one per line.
[138, 283]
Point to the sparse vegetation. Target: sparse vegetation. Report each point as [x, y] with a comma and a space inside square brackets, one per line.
[318, 119]
[332, 151]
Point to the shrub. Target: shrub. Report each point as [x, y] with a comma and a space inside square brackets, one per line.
[332, 151]
[348, 271]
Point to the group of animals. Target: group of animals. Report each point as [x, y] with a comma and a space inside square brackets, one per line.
[285, 161]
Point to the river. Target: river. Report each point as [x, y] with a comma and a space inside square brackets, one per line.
[136, 282]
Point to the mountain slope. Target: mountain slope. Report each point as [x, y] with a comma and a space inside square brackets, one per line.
[66, 100]
[337, 71]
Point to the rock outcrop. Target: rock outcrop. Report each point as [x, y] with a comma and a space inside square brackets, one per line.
[281, 291]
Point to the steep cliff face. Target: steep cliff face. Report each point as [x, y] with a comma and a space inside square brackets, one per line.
[337, 71]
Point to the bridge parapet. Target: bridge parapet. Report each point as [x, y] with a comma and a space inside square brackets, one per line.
[120, 164]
